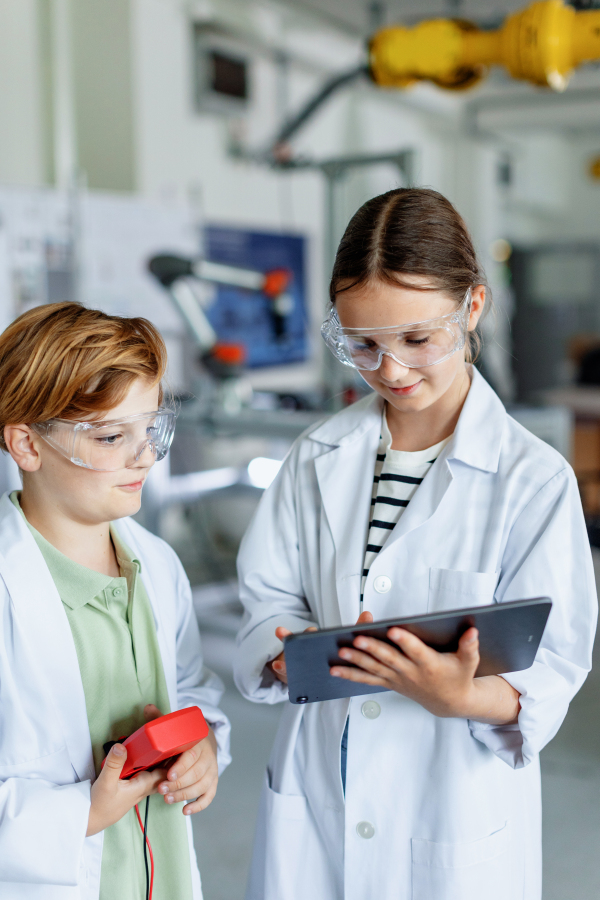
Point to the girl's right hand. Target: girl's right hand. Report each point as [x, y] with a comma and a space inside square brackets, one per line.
[278, 666]
[112, 798]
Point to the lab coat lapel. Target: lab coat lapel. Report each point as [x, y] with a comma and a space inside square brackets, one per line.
[41, 614]
[476, 443]
[345, 478]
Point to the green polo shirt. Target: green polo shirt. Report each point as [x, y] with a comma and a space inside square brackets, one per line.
[121, 669]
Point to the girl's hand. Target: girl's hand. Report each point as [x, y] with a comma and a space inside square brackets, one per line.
[277, 665]
[112, 798]
[443, 683]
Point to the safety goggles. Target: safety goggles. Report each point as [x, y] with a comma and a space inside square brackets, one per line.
[415, 345]
[111, 445]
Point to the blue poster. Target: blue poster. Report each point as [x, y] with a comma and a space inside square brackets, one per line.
[250, 317]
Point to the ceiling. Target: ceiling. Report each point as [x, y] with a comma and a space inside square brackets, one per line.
[363, 16]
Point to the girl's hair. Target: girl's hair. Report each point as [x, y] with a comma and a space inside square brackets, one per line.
[408, 231]
[65, 361]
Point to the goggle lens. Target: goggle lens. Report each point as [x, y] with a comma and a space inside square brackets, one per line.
[111, 446]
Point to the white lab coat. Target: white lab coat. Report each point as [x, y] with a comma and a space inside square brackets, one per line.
[455, 805]
[46, 765]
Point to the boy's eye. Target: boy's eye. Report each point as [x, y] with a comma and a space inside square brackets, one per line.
[109, 440]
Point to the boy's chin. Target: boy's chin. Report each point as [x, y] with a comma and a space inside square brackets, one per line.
[125, 505]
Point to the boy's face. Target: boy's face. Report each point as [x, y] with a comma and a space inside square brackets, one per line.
[85, 495]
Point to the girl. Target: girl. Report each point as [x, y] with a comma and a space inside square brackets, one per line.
[97, 631]
[422, 497]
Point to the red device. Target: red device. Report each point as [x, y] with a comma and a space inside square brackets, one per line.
[162, 738]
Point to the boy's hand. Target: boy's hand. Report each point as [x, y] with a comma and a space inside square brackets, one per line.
[112, 798]
[193, 776]
[277, 665]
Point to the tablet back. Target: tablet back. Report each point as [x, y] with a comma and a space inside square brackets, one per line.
[509, 636]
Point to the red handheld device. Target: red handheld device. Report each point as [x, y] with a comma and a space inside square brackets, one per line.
[162, 738]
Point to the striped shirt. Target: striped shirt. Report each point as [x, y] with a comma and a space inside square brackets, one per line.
[398, 473]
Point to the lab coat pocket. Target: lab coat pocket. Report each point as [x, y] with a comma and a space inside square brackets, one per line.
[286, 820]
[462, 871]
[451, 589]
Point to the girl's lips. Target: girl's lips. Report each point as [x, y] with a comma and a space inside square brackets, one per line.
[405, 391]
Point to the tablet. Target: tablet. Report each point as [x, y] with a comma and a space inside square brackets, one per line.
[509, 636]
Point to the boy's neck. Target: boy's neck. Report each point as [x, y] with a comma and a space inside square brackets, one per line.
[90, 545]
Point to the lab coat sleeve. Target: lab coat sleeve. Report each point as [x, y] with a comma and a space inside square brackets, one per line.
[547, 554]
[271, 588]
[42, 831]
[197, 685]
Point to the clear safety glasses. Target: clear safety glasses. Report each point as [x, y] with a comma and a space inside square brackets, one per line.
[415, 345]
[111, 445]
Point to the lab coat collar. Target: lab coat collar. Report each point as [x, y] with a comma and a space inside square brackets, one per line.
[40, 612]
[477, 438]
[351, 423]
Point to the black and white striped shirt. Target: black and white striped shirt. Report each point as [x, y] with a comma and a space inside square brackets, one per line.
[398, 473]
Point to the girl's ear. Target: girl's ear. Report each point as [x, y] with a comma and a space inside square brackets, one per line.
[21, 443]
[477, 304]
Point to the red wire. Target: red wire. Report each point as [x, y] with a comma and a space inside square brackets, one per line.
[139, 818]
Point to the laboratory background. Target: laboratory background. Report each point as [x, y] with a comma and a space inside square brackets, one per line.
[196, 162]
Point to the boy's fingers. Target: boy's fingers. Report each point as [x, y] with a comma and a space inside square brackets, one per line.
[151, 712]
[116, 759]
[187, 759]
[198, 788]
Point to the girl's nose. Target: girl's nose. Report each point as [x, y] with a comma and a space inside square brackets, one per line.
[391, 370]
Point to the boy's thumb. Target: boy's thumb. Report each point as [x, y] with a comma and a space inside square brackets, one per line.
[116, 759]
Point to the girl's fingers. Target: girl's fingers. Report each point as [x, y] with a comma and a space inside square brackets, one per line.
[389, 656]
[282, 632]
[468, 648]
[412, 646]
[358, 675]
[365, 661]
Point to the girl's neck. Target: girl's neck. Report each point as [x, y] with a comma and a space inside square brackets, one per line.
[418, 430]
[88, 544]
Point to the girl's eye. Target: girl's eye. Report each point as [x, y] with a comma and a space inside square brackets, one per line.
[417, 342]
[364, 344]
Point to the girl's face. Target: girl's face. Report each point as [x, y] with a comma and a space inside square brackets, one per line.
[380, 304]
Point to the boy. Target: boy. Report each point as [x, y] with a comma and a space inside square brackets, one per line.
[97, 632]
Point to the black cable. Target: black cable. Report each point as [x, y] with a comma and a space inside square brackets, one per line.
[146, 849]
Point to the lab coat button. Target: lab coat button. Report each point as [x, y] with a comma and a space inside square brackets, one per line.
[382, 584]
[370, 709]
[365, 830]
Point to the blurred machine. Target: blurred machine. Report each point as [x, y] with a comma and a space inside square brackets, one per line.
[541, 44]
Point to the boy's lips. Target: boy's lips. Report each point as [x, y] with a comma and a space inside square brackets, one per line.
[133, 486]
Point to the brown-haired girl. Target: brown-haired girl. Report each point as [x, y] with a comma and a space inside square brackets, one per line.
[97, 631]
[425, 496]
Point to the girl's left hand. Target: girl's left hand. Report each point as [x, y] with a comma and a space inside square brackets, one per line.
[193, 776]
[443, 683]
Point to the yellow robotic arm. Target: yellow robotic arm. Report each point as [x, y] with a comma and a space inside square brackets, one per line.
[541, 44]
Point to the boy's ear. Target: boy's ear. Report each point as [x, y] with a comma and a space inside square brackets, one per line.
[21, 443]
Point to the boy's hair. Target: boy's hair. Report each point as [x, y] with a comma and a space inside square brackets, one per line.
[65, 361]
